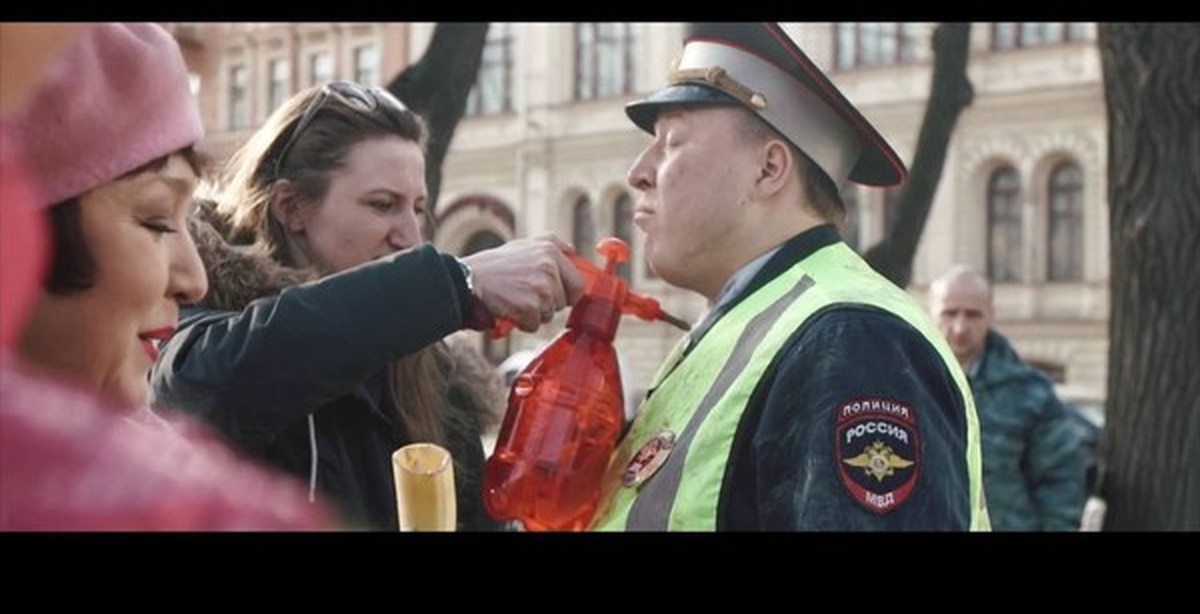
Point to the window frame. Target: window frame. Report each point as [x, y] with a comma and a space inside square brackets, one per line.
[1012, 35]
[853, 48]
[278, 87]
[238, 96]
[595, 43]
[1068, 224]
[583, 220]
[366, 72]
[1013, 220]
[315, 75]
[500, 41]
[622, 228]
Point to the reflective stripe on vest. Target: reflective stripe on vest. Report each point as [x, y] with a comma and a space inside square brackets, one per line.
[702, 399]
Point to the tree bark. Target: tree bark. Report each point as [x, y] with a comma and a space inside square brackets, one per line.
[950, 93]
[436, 87]
[1152, 89]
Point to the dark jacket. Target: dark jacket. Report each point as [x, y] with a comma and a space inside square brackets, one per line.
[1034, 463]
[286, 366]
[783, 473]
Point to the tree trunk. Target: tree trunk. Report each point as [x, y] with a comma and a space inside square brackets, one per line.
[436, 87]
[1152, 88]
[950, 92]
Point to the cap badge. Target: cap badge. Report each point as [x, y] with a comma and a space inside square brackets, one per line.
[718, 78]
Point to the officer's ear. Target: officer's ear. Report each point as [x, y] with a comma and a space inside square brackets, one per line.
[776, 166]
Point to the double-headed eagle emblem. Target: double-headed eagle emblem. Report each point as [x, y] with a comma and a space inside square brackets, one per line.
[878, 460]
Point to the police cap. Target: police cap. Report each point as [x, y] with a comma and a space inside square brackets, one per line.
[758, 66]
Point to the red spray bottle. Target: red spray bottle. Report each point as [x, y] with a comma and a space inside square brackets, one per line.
[566, 409]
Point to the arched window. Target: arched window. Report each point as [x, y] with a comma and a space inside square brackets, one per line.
[1065, 224]
[623, 230]
[484, 239]
[583, 228]
[850, 227]
[1004, 225]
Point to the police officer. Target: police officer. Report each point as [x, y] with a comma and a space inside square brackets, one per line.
[815, 394]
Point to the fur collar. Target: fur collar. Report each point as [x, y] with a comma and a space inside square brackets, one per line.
[237, 274]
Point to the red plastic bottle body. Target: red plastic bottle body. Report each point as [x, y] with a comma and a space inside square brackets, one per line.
[561, 427]
[565, 413]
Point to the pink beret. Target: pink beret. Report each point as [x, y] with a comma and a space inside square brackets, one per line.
[117, 99]
[24, 241]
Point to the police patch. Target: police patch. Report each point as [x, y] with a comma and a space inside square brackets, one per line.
[878, 451]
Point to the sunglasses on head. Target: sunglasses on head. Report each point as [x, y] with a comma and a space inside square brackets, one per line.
[358, 97]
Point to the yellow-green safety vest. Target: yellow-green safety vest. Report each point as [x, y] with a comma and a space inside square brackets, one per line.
[703, 397]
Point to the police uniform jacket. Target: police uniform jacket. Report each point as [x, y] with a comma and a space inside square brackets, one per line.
[786, 471]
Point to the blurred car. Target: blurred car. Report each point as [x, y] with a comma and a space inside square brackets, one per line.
[1088, 422]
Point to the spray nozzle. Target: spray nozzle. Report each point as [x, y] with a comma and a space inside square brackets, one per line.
[615, 251]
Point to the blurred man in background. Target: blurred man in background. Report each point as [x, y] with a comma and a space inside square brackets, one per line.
[1034, 462]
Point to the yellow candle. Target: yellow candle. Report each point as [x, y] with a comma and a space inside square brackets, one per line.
[424, 475]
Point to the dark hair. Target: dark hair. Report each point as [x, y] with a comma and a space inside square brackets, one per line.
[72, 266]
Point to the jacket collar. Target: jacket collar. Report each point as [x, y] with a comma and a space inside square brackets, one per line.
[785, 255]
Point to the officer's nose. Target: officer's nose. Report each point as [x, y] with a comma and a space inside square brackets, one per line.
[641, 174]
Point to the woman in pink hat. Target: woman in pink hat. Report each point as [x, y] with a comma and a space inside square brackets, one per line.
[110, 135]
[102, 148]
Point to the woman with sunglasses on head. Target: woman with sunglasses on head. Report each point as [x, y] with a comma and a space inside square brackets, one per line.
[318, 347]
